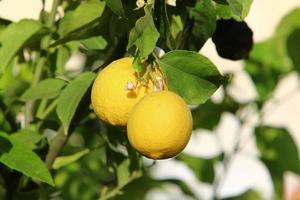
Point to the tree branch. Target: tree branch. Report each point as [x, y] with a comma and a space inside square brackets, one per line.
[55, 146]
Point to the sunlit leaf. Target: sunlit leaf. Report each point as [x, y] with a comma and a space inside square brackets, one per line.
[15, 36]
[84, 14]
[176, 26]
[240, 8]
[237, 9]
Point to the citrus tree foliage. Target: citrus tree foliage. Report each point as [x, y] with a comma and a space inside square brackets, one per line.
[52, 146]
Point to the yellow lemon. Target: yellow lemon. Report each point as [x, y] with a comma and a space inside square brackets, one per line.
[160, 125]
[114, 93]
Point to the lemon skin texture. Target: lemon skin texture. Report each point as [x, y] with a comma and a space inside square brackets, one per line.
[111, 101]
[160, 125]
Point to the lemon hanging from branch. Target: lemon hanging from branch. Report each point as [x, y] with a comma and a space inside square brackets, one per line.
[160, 125]
[117, 89]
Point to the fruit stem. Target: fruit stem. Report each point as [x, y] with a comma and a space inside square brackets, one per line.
[144, 78]
[153, 77]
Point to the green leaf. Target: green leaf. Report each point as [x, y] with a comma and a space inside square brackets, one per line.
[144, 35]
[288, 24]
[279, 152]
[48, 88]
[83, 15]
[97, 26]
[116, 6]
[20, 157]
[137, 63]
[3, 25]
[14, 37]
[202, 168]
[176, 26]
[64, 22]
[278, 148]
[63, 55]
[286, 39]
[70, 98]
[94, 43]
[84, 178]
[265, 71]
[66, 160]
[263, 68]
[192, 76]
[123, 173]
[12, 86]
[265, 52]
[205, 20]
[28, 136]
[237, 9]
[240, 8]
[207, 116]
[224, 11]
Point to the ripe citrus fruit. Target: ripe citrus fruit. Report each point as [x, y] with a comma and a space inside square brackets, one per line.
[111, 100]
[160, 125]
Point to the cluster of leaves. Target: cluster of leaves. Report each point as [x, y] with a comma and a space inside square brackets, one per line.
[51, 143]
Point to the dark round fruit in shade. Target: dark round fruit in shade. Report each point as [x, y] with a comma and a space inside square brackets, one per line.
[233, 39]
